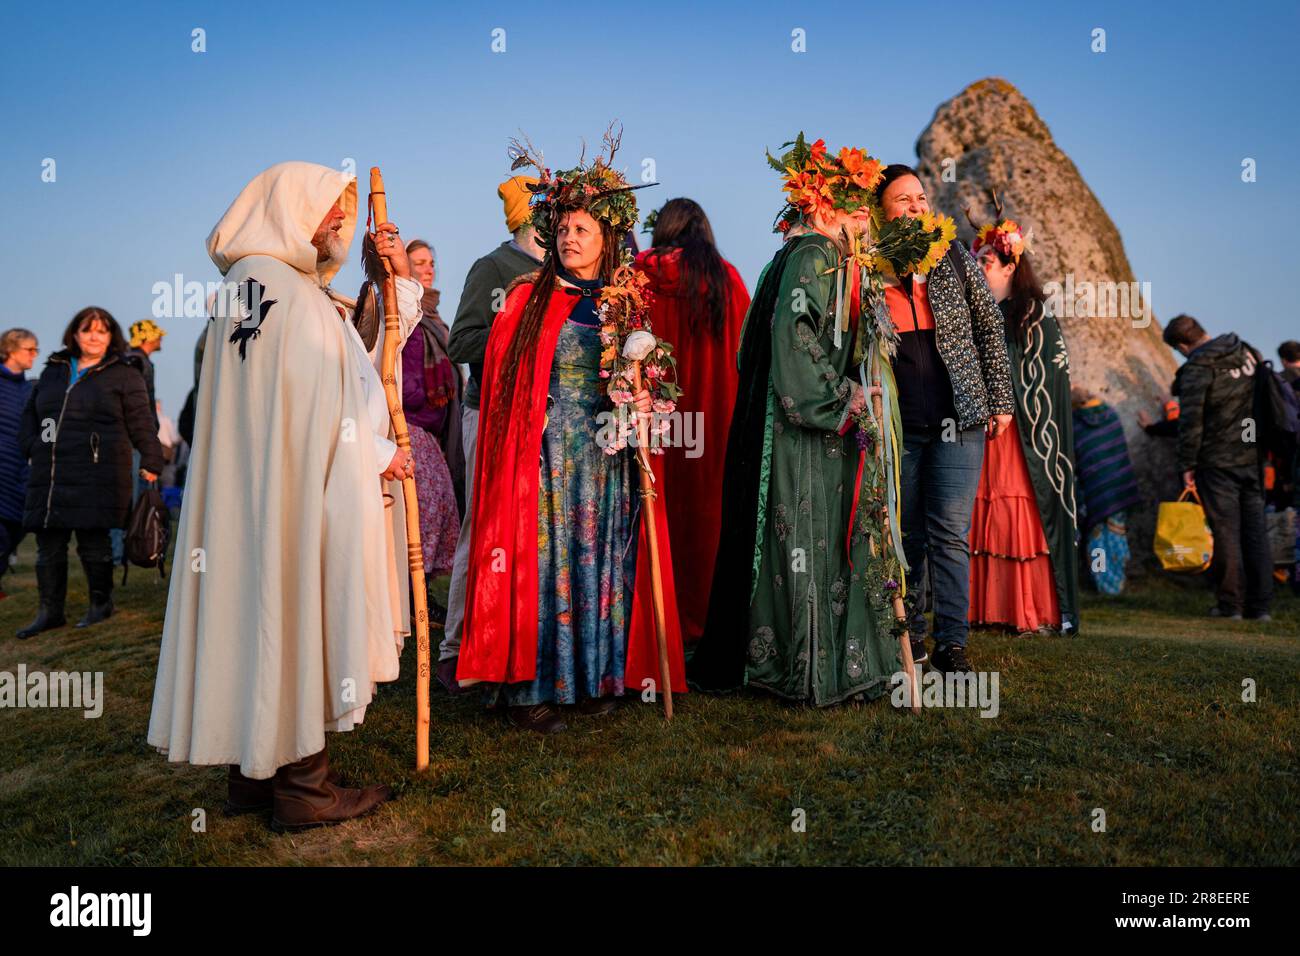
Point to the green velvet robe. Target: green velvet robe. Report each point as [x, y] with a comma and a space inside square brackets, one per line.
[814, 634]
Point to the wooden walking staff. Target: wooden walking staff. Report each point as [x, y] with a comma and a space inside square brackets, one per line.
[875, 355]
[636, 351]
[900, 612]
[414, 553]
[909, 666]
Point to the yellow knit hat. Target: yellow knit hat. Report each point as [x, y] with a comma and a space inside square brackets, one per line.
[144, 331]
[514, 193]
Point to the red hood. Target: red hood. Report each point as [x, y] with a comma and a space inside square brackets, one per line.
[664, 269]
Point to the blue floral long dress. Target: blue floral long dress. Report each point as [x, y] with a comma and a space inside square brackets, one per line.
[585, 523]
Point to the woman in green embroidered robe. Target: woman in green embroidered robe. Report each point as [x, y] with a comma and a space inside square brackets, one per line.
[811, 595]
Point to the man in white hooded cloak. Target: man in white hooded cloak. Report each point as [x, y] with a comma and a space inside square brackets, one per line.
[287, 599]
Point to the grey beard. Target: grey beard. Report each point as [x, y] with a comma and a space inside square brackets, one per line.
[334, 249]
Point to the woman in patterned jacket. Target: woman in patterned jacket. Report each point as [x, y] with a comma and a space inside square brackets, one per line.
[954, 385]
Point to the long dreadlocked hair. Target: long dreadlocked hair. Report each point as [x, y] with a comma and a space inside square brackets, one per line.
[511, 382]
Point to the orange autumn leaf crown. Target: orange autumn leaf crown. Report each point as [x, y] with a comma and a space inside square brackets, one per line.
[818, 182]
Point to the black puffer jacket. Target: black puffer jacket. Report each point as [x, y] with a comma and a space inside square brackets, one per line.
[1216, 395]
[82, 479]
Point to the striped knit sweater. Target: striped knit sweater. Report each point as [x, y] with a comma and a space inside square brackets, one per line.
[1102, 464]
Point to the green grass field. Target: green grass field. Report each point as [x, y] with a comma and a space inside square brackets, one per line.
[1142, 717]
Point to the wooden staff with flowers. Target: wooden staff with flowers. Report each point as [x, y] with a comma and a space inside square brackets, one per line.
[878, 438]
[898, 246]
[630, 349]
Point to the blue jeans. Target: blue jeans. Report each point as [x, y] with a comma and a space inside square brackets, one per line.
[939, 480]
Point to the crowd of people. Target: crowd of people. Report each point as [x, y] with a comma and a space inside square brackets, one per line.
[883, 447]
[74, 442]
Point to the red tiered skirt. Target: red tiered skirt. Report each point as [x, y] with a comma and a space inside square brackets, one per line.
[1011, 579]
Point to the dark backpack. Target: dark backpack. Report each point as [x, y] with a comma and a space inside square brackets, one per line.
[1277, 409]
[147, 533]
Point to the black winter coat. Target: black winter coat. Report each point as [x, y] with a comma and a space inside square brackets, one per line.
[15, 388]
[1216, 395]
[83, 479]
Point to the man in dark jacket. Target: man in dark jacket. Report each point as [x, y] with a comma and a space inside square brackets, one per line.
[18, 351]
[1219, 456]
[483, 297]
[1289, 353]
[146, 338]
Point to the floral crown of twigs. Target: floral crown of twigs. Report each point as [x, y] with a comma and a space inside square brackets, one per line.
[597, 188]
[819, 182]
[1002, 235]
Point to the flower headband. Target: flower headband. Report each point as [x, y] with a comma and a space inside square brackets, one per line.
[598, 188]
[1003, 236]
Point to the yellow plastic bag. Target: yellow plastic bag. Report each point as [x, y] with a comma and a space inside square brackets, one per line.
[1183, 540]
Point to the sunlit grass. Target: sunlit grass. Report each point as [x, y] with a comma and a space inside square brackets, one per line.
[1141, 717]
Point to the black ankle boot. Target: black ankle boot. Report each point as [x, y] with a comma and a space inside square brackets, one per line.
[52, 581]
[99, 576]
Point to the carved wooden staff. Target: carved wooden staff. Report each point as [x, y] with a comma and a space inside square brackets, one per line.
[637, 347]
[875, 355]
[414, 553]
[900, 612]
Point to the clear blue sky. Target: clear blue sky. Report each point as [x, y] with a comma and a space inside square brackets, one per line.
[152, 141]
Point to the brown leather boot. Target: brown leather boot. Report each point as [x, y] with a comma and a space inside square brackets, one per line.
[303, 796]
[246, 795]
[541, 718]
[596, 706]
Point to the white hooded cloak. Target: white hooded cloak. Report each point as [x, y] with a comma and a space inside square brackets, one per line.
[287, 600]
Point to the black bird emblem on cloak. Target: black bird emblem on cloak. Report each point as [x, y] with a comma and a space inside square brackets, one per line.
[251, 294]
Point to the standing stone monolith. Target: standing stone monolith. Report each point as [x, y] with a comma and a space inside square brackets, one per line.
[989, 137]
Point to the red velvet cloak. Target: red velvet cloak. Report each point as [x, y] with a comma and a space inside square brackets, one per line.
[706, 370]
[500, 637]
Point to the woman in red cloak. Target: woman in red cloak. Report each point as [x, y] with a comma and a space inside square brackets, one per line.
[559, 609]
[699, 304]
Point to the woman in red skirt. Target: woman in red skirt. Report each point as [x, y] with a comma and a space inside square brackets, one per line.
[1024, 531]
